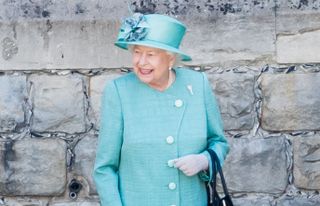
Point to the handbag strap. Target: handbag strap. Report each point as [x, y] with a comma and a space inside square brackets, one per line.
[216, 167]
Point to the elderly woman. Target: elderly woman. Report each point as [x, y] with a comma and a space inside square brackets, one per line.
[156, 123]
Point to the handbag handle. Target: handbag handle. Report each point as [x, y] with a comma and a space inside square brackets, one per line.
[216, 167]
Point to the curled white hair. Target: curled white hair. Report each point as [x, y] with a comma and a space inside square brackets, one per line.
[176, 56]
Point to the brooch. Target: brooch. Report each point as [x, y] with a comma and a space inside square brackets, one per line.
[190, 89]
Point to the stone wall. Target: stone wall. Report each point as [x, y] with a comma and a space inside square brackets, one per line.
[262, 57]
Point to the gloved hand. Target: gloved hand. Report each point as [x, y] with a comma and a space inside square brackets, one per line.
[191, 164]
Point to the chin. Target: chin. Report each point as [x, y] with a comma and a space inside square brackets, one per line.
[145, 80]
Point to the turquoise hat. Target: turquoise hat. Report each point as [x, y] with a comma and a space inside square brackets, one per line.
[153, 30]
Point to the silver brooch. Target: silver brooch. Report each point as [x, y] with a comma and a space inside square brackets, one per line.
[190, 89]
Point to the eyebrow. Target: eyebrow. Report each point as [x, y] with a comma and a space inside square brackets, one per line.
[148, 51]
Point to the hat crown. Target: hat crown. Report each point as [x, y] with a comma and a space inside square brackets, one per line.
[165, 29]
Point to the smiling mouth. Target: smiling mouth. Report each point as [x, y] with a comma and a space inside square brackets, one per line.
[146, 71]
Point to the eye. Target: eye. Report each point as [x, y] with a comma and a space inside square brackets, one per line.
[136, 51]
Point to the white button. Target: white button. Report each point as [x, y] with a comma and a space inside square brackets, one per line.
[170, 139]
[170, 163]
[178, 103]
[172, 205]
[172, 185]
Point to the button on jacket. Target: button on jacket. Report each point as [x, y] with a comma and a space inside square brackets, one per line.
[142, 130]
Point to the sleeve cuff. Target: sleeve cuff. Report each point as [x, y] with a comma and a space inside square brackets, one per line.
[206, 175]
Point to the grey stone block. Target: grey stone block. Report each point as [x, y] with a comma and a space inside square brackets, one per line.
[97, 85]
[231, 40]
[62, 10]
[257, 165]
[79, 203]
[24, 201]
[85, 152]
[33, 167]
[306, 170]
[303, 201]
[252, 201]
[297, 39]
[235, 94]
[290, 102]
[303, 47]
[13, 94]
[294, 16]
[58, 103]
[36, 45]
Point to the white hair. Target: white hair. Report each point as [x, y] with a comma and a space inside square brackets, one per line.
[176, 56]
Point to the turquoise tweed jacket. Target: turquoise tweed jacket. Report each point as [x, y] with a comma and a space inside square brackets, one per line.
[142, 129]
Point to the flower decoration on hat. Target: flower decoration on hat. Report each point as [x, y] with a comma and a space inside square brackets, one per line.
[134, 28]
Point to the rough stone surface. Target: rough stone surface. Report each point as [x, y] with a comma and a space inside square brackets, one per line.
[204, 8]
[290, 201]
[297, 30]
[257, 165]
[58, 103]
[60, 45]
[295, 16]
[9, 48]
[85, 152]
[306, 170]
[290, 102]
[24, 201]
[6, 153]
[33, 167]
[235, 95]
[252, 201]
[80, 203]
[230, 40]
[12, 10]
[97, 85]
[12, 101]
[299, 48]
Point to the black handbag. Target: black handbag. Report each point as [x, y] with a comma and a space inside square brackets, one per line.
[213, 197]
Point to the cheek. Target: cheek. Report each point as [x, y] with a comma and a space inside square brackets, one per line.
[134, 60]
[162, 66]
[160, 63]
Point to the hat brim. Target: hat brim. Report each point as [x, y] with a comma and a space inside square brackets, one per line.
[124, 45]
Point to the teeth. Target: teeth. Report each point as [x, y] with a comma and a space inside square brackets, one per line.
[145, 71]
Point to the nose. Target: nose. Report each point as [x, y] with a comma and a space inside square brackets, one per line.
[142, 59]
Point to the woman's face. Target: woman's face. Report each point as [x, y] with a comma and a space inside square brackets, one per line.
[151, 65]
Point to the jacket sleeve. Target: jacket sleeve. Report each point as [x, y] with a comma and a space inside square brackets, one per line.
[108, 150]
[215, 133]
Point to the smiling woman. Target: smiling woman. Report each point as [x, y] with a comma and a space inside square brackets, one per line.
[157, 123]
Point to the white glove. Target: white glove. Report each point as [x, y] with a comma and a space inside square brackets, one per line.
[191, 164]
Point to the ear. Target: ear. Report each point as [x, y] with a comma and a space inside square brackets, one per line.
[172, 59]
